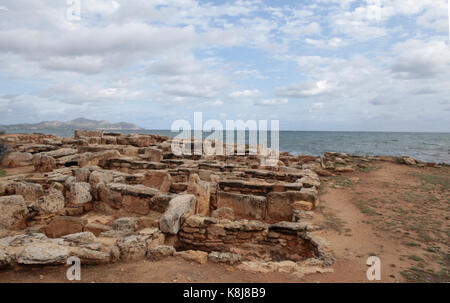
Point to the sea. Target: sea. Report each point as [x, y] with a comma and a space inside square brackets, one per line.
[428, 147]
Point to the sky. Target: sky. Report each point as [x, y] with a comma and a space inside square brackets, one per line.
[341, 65]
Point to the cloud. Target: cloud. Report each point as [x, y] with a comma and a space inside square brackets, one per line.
[327, 43]
[382, 101]
[303, 90]
[176, 66]
[418, 59]
[110, 46]
[245, 93]
[272, 102]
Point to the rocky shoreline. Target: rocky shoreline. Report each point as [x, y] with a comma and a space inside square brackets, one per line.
[108, 197]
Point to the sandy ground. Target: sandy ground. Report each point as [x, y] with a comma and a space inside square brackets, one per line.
[396, 212]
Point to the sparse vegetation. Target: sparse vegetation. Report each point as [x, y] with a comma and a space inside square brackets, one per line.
[342, 181]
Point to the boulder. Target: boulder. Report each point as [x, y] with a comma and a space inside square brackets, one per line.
[408, 161]
[279, 204]
[132, 247]
[64, 225]
[17, 159]
[126, 224]
[159, 179]
[82, 174]
[223, 213]
[43, 163]
[160, 203]
[201, 190]
[29, 191]
[152, 154]
[59, 153]
[134, 198]
[43, 253]
[52, 202]
[79, 193]
[97, 177]
[94, 159]
[197, 256]
[178, 206]
[244, 206]
[224, 257]
[159, 252]
[13, 212]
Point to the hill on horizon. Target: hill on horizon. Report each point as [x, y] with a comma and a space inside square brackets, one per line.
[75, 123]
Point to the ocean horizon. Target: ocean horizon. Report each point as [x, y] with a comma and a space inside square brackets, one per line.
[424, 146]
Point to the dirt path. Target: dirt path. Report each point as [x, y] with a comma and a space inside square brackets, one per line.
[359, 210]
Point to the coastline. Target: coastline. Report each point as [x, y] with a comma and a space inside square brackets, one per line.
[426, 147]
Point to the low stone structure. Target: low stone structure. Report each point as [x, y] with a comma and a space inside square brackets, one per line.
[108, 197]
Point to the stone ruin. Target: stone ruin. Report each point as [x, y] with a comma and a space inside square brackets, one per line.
[108, 197]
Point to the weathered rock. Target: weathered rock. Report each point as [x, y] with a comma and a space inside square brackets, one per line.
[223, 213]
[61, 152]
[408, 161]
[43, 163]
[197, 256]
[132, 247]
[17, 159]
[87, 133]
[201, 191]
[159, 252]
[279, 204]
[80, 193]
[97, 228]
[244, 206]
[134, 198]
[127, 224]
[52, 202]
[82, 174]
[302, 205]
[29, 191]
[160, 203]
[13, 212]
[158, 179]
[178, 206]
[308, 181]
[153, 236]
[94, 159]
[80, 238]
[224, 257]
[64, 225]
[152, 154]
[43, 253]
[97, 177]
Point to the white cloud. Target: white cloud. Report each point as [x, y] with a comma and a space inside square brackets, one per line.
[245, 93]
[327, 43]
[418, 59]
[303, 90]
[272, 102]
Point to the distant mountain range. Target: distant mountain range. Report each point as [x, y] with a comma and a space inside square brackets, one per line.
[81, 123]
